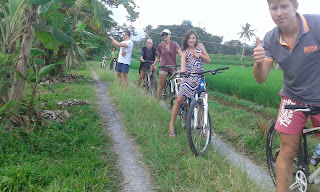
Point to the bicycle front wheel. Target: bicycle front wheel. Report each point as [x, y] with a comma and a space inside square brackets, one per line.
[273, 150]
[198, 132]
[146, 84]
[154, 86]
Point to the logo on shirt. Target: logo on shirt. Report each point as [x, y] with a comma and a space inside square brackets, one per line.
[310, 49]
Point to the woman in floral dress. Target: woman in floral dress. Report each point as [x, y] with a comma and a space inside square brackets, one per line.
[193, 57]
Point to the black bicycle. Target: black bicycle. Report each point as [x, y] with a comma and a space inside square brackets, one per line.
[150, 81]
[304, 173]
[172, 84]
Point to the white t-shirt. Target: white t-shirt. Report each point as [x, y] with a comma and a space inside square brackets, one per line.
[127, 58]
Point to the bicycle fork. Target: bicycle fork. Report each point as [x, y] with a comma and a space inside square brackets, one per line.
[205, 112]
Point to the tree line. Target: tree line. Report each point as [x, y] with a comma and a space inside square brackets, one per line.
[213, 43]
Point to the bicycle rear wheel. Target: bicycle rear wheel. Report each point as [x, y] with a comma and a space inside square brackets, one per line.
[199, 136]
[273, 150]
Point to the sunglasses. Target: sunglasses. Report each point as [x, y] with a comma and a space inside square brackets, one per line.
[150, 42]
[164, 34]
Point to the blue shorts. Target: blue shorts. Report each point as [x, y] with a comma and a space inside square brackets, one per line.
[122, 68]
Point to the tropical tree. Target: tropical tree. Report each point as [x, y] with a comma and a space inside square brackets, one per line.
[246, 34]
[147, 30]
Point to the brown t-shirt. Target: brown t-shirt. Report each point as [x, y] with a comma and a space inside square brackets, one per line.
[168, 57]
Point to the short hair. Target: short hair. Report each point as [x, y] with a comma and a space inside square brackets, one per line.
[127, 32]
[292, 1]
[187, 36]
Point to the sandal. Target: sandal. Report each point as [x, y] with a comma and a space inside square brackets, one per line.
[172, 135]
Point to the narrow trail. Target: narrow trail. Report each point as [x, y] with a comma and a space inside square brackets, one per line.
[136, 177]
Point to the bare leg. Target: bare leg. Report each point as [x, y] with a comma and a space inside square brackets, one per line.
[288, 149]
[162, 81]
[175, 110]
[140, 78]
[125, 78]
[119, 78]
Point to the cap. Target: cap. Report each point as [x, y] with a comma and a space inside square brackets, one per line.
[166, 31]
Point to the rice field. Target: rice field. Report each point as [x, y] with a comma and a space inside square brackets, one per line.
[238, 81]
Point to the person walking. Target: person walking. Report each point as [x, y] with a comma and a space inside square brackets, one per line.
[294, 44]
[193, 57]
[147, 53]
[167, 55]
[124, 58]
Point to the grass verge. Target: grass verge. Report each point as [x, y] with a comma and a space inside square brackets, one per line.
[72, 156]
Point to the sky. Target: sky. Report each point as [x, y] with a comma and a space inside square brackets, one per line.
[221, 18]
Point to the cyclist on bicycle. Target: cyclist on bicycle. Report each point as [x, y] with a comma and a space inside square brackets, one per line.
[193, 57]
[147, 53]
[167, 55]
[294, 43]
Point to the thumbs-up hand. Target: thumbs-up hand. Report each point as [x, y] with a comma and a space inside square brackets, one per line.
[258, 52]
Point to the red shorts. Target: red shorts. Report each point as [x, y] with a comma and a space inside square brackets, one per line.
[290, 122]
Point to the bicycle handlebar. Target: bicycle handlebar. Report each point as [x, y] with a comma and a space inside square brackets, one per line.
[312, 109]
[148, 61]
[212, 71]
[296, 107]
[170, 66]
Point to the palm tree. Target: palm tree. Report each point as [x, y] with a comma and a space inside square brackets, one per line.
[246, 34]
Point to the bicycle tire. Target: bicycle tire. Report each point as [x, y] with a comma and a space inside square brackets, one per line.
[166, 90]
[198, 137]
[146, 84]
[273, 149]
[184, 113]
[154, 86]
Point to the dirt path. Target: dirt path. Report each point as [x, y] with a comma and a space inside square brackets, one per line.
[135, 174]
[136, 177]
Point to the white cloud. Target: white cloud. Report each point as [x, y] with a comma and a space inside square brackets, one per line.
[222, 18]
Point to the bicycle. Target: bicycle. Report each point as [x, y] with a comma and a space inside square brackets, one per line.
[198, 117]
[113, 64]
[172, 84]
[103, 63]
[150, 81]
[302, 169]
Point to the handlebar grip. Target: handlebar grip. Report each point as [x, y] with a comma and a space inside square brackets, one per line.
[223, 68]
[295, 106]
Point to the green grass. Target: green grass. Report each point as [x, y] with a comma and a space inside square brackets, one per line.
[172, 165]
[73, 156]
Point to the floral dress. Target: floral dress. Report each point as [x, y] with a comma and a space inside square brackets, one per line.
[189, 85]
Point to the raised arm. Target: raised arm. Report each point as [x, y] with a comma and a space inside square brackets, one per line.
[262, 66]
[204, 55]
[116, 43]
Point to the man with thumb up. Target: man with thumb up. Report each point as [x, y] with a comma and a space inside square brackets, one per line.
[295, 45]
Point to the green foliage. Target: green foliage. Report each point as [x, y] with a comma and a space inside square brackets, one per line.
[55, 33]
[39, 2]
[74, 156]
[36, 52]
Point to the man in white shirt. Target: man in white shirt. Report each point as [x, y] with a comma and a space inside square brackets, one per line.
[124, 58]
